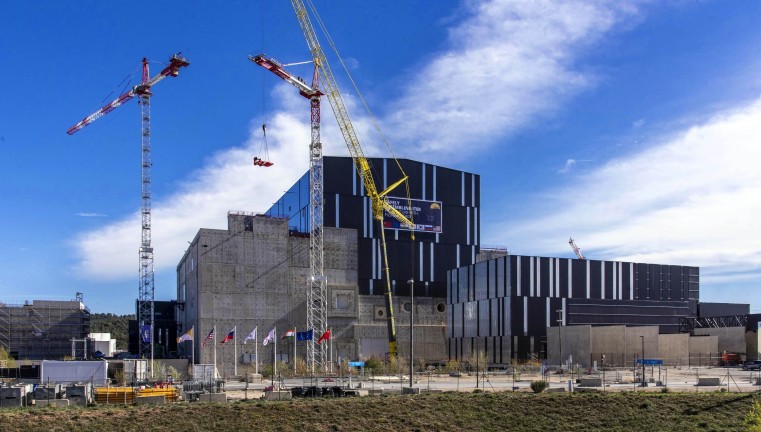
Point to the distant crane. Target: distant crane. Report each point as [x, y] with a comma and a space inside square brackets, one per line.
[576, 250]
[317, 300]
[362, 165]
[146, 289]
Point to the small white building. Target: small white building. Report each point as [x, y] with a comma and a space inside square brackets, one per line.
[102, 342]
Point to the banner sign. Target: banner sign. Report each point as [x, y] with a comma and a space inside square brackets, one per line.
[145, 333]
[650, 362]
[425, 214]
[356, 364]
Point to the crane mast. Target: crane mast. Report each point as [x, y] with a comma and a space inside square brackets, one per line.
[317, 302]
[362, 165]
[145, 310]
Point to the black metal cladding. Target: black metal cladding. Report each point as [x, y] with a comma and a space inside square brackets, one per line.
[427, 259]
[482, 305]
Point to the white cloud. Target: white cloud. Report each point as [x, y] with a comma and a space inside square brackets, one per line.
[507, 64]
[84, 214]
[692, 198]
[569, 164]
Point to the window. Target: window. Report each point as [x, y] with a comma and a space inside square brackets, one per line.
[342, 301]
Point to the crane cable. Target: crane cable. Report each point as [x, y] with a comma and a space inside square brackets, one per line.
[332, 44]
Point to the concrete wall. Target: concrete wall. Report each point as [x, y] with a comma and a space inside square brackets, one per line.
[752, 345]
[575, 343]
[674, 349]
[704, 350]
[731, 339]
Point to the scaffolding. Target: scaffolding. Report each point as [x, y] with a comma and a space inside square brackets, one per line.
[42, 329]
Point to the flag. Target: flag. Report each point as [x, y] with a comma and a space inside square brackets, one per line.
[186, 337]
[270, 337]
[145, 333]
[229, 336]
[305, 335]
[208, 338]
[325, 336]
[289, 334]
[251, 336]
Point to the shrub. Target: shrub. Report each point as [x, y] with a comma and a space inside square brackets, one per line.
[665, 390]
[538, 386]
[753, 418]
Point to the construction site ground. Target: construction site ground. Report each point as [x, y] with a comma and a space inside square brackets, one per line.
[615, 380]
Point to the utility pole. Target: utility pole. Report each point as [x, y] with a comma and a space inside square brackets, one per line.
[412, 327]
[643, 360]
[560, 339]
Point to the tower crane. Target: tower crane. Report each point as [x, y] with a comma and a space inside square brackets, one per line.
[362, 165]
[317, 301]
[145, 287]
[576, 250]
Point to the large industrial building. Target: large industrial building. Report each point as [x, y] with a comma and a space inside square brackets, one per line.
[503, 306]
[254, 273]
[43, 329]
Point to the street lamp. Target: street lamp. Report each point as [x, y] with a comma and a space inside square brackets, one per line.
[412, 323]
[560, 339]
[643, 359]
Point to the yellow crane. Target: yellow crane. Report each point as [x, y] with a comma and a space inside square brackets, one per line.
[364, 170]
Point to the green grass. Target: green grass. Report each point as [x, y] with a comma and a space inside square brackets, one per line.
[445, 412]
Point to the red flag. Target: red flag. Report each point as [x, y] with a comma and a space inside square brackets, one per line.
[325, 336]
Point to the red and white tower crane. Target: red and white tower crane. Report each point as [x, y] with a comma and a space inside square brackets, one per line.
[317, 300]
[576, 249]
[145, 288]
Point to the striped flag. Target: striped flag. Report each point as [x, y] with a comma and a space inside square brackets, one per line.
[209, 337]
[289, 334]
[186, 337]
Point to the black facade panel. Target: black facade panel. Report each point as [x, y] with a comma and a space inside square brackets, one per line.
[595, 275]
[339, 175]
[468, 191]
[579, 278]
[722, 309]
[449, 186]
[544, 277]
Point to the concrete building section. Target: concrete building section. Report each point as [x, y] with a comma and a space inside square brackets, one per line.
[254, 275]
[102, 342]
[623, 345]
[43, 329]
[731, 339]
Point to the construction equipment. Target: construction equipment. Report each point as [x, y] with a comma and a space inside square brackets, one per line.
[576, 250]
[146, 288]
[364, 170]
[317, 299]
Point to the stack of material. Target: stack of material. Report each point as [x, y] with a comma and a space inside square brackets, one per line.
[115, 395]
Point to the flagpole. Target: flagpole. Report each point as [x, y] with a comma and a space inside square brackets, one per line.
[192, 349]
[331, 349]
[294, 350]
[274, 356]
[235, 350]
[214, 341]
[256, 351]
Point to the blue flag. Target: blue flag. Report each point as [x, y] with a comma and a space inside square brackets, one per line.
[305, 335]
[145, 333]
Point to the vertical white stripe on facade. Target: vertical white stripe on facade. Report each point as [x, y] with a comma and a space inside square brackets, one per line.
[462, 189]
[547, 315]
[473, 190]
[458, 256]
[373, 260]
[557, 277]
[525, 316]
[396, 234]
[475, 225]
[467, 226]
[531, 276]
[602, 279]
[631, 281]
[518, 274]
[565, 311]
[371, 287]
[570, 279]
[552, 278]
[472, 254]
[434, 183]
[370, 219]
[589, 282]
[421, 273]
[437, 237]
[620, 281]
[380, 260]
[337, 198]
[364, 218]
[354, 176]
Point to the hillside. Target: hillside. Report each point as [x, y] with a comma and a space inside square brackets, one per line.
[117, 325]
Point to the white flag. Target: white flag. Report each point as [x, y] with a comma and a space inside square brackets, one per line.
[270, 337]
[251, 336]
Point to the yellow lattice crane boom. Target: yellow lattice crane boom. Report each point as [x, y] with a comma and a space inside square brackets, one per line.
[364, 170]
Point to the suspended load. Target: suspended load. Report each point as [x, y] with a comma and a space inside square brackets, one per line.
[259, 161]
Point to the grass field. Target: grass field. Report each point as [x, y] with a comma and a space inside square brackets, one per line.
[627, 411]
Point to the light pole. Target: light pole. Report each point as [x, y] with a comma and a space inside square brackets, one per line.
[412, 328]
[560, 339]
[643, 359]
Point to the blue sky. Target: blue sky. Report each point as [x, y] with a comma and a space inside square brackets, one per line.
[630, 125]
